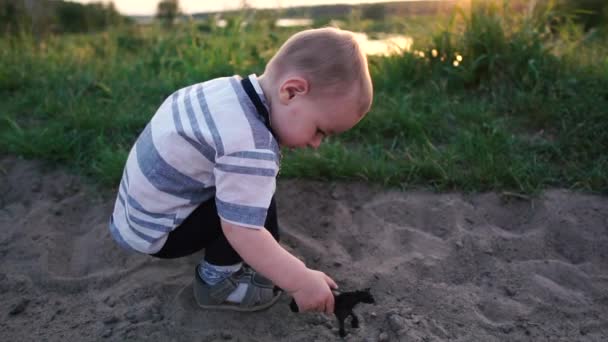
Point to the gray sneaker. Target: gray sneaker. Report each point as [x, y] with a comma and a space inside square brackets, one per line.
[260, 295]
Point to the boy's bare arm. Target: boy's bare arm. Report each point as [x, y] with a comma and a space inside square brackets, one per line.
[260, 250]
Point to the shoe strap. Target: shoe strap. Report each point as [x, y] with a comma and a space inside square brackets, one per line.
[220, 291]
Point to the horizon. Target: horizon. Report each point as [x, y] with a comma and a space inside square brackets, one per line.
[148, 7]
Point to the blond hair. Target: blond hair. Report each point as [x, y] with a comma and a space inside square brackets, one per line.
[330, 59]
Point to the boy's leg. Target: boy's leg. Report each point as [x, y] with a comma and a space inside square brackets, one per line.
[194, 234]
[222, 261]
[220, 252]
[202, 229]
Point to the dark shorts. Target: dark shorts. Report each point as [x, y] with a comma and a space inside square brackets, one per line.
[203, 230]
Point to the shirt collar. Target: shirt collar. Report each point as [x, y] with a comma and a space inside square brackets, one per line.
[258, 89]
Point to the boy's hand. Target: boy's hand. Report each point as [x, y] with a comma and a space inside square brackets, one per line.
[314, 292]
[257, 247]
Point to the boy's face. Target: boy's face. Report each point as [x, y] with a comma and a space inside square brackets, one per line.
[302, 121]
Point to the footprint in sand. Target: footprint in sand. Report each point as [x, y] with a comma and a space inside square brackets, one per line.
[417, 226]
[76, 241]
[566, 239]
[554, 281]
[185, 299]
[440, 216]
[497, 310]
[512, 214]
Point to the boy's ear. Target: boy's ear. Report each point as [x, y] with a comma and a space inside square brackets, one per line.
[292, 87]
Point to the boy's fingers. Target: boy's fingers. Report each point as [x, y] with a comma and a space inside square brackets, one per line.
[329, 305]
[331, 282]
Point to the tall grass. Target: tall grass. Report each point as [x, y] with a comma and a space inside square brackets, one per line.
[504, 101]
[524, 109]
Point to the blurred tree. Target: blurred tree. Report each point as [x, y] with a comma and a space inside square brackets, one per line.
[35, 17]
[592, 12]
[376, 12]
[589, 13]
[12, 16]
[41, 17]
[75, 17]
[167, 11]
[71, 17]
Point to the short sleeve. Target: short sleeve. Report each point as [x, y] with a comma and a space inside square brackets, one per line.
[245, 184]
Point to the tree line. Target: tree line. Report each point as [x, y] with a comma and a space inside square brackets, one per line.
[41, 17]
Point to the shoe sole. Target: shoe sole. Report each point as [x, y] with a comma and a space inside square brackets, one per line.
[235, 306]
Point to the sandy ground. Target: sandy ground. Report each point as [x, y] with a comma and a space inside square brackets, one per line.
[443, 267]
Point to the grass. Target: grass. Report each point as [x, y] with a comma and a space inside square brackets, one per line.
[524, 110]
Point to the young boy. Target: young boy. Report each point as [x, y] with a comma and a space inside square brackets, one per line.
[202, 173]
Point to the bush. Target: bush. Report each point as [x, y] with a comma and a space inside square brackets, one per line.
[45, 16]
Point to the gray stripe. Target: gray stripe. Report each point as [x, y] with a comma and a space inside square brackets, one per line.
[254, 155]
[122, 201]
[245, 170]
[261, 135]
[163, 176]
[150, 225]
[141, 235]
[254, 216]
[134, 204]
[143, 223]
[201, 145]
[117, 237]
[217, 140]
[123, 187]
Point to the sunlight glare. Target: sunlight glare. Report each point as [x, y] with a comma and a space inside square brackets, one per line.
[386, 46]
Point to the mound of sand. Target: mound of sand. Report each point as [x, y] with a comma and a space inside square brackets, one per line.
[443, 267]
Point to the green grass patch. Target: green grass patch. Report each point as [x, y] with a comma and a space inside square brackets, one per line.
[523, 109]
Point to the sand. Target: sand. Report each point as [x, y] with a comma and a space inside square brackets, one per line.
[443, 267]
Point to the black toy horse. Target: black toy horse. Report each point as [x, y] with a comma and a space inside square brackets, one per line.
[344, 304]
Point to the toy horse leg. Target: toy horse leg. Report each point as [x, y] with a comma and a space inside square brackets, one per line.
[342, 331]
[355, 321]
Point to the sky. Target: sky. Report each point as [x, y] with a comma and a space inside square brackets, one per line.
[148, 7]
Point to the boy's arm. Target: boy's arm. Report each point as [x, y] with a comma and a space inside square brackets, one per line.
[260, 250]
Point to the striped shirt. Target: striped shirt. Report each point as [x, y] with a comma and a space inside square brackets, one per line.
[205, 140]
